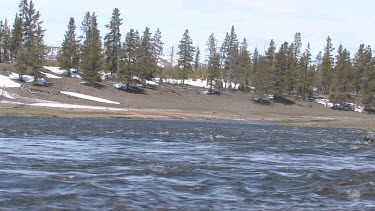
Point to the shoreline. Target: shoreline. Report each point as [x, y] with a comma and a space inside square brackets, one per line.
[20, 110]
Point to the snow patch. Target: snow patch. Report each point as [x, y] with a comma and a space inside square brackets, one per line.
[26, 78]
[73, 106]
[51, 76]
[56, 70]
[8, 83]
[6, 94]
[325, 102]
[197, 83]
[88, 97]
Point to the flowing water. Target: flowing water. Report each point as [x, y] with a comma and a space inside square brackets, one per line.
[77, 164]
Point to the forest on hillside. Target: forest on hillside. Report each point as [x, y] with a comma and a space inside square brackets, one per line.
[284, 71]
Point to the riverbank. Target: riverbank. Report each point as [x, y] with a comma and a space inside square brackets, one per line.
[275, 114]
[165, 101]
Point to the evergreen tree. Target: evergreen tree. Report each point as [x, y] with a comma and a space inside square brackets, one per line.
[157, 45]
[319, 75]
[244, 66]
[186, 55]
[112, 42]
[197, 58]
[69, 54]
[129, 56]
[1, 40]
[255, 61]
[269, 59]
[294, 59]
[368, 89]
[305, 79]
[270, 53]
[40, 54]
[327, 67]
[280, 74]
[361, 64]
[31, 49]
[213, 61]
[343, 78]
[297, 46]
[91, 56]
[229, 55]
[292, 70]
[262, 80]
[147, 61]
[16, 38]
[6, 42]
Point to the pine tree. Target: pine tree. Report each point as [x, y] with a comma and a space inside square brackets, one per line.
[280, 74]
[186, 55]
[292, 70]
[244, 66]
[16, 38]
[69, 55]
[368, 89]
[294, 59]
[112, 42]
[262, 79]
[255, 60]
[230, 49]
[343, 78]
[297, 46]
[213, 61]
[157, 45]
[305, 79]
[39, 55]
[319, 76]
[269, 59]
[197, 58]
[31, 48]
[91, 49]
[327, 67]
[147, 61]
[361, 64]
[1, 40]
[270, 54]
[129, 58]
[6, 42]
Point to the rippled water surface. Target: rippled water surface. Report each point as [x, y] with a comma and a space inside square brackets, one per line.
[181, 165]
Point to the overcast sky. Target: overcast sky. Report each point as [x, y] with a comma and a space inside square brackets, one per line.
[349, 22]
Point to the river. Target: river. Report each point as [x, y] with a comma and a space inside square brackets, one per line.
[115, 164]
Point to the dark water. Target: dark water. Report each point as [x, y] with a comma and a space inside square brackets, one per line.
[78, 164]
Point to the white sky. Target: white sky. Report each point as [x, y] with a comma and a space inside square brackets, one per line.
[349, 22]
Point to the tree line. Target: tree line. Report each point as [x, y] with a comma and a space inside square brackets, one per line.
[287, 70]
[24, 43]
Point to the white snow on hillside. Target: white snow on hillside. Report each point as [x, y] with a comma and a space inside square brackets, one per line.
[59, 71]
[325, 102]
[55, 70]
[26, 78]
[8, 83]
[5, 94]
[59, 105]
[51, 75]
[88, 97]
[196, 83]
[328, 104]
